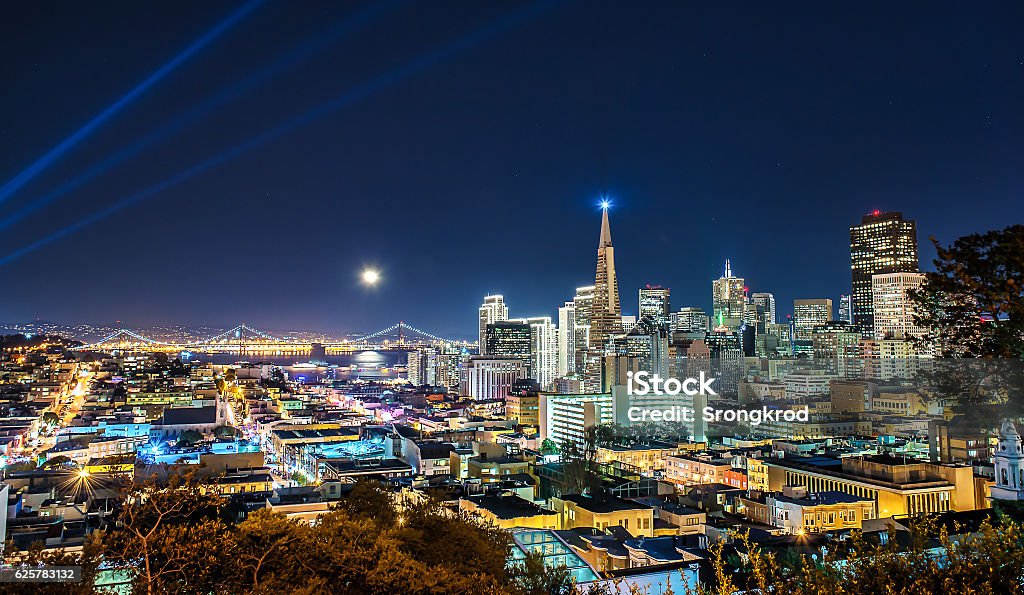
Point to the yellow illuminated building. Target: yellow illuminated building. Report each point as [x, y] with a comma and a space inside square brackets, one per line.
[576, 510]
[510, 511]
[757, 475]
[117, 464]
[896, 486]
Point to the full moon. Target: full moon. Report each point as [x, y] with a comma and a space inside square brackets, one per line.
[370, 277]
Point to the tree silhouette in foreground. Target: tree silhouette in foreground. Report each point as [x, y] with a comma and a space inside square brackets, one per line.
[972, 310]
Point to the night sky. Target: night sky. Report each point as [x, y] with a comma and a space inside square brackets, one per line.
[468, 144]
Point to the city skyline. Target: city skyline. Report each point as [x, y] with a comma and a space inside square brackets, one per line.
[629, 307]
[713, 138]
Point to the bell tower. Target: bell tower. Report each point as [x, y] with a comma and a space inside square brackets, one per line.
[1009, 464]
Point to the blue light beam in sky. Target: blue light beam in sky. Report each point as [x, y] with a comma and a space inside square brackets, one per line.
[407, 70]
[225, 96]
[82, 133]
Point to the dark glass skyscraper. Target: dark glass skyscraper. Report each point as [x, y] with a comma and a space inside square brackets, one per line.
[884, 242]
[509, 339]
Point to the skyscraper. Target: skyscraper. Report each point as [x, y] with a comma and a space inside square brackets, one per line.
[654, 303]
[846, 309]
[689, 320]
[606, 313]
[893, 311]
[808, 314]
[729, 298]
[584, 304]
[543, 350]
[882, 243]
[766, 300]
[649, 343]
[490, 378]
[835, 348]
[492, 310]
[567, 339]
[509, 338]
[755, 317]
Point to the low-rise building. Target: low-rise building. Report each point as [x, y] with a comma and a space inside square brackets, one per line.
[510, 511]
[798, 512]
[898, 486]
[604, 511]
[645, 457]
[696, 469]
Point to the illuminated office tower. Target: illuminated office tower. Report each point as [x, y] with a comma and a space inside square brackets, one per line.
[835, 348]
[729, 298]
[883, 243]
[689, 320]
[421, 365]
[755, 317]
[606, 312]
[654, 304]
[893, 311]
[692, 356]
[726, 359]
[488, 378]
[766, 301]
[543, 350]
[778, 340]
[447, 370]
[492, 310]
[584, 305]
[617, 369]
[808, 314]
[649, 344]
[846, 309]
[567, 339]
[509, 338]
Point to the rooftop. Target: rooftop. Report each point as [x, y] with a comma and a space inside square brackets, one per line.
[603, 504]
[830, 497]
[507, 507]
[188, 416]
[553, 551]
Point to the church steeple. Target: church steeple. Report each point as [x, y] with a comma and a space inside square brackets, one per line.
[1009, 464]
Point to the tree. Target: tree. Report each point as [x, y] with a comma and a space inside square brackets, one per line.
[579, 464]
[987, 561]
[549, 447]
[533, 577]
[260, 543]
[189, 437]
[88, 558]
[55, 462]
[50, 418]
[369, 499]
[972, 310]
[225, 432]
[170, 534]
[28, 465]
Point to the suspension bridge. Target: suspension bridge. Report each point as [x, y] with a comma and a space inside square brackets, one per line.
[248, 341]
